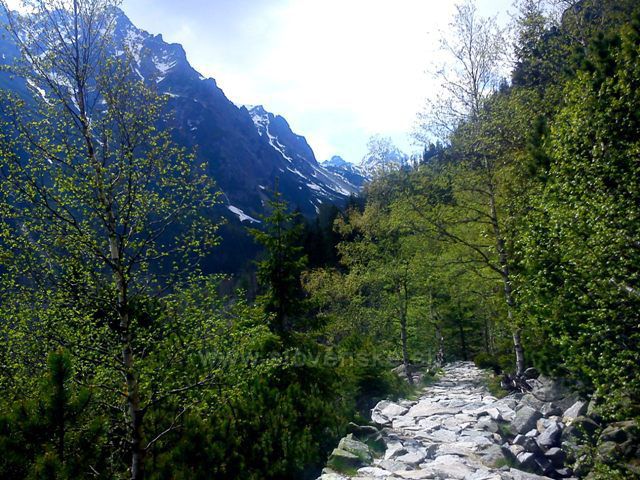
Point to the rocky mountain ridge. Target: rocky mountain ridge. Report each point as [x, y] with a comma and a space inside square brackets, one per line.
[244, 156]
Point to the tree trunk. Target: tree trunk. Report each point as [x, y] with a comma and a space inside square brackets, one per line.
[440, 354]
[135, 412]
[403, 333]
[506, 280]
[405, 351]
[439, 336]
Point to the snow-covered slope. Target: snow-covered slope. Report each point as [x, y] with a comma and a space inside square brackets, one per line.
[301, 160]
[245, 150]
[348, 172]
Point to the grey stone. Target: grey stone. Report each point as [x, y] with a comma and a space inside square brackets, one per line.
[512, 451]
[576, 410]
[487, 424]
[519, 440]
[619, 443]
[394, 450]
[557, 456]
[515, 474]
[415, 474]
[526, 459]
[551, 436]
[374, 472]
[550, 410]
[343, 461]
[491, 455]
[580, 430]
[531, 401]
[411, 458]
[525, 419]
[392, 465]
[564, 472]
[451, 466]
[543, 465]
[385, 411]
[332, 476]
[530, 445]
[357, 448]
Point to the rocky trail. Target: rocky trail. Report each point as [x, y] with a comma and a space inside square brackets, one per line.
[457, 430]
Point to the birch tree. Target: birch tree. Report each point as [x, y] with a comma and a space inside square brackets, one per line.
[102, 212]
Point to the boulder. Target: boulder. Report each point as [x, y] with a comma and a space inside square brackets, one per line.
[519, 440]
[564, 472]
[550, 410]
[392, 465]
[450, 466]
[619, 444]
[512, 451]
[486, 423]
[491, 455]
[551, 436]
[581, 430]
[576, 410]
[556, 456]
[412, 458]
[369, 435]
[374, 472]
[331, 476]
[531, 401]
[343, 461]
[525, 419]
[357, 448]
[526, 460]
[557, 391]
[531, 446]
[515, 474]
[384, 412]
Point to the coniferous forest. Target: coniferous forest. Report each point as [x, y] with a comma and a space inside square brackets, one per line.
[514, 244]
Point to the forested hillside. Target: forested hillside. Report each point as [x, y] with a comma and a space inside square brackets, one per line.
[520, 236]
[514, 244]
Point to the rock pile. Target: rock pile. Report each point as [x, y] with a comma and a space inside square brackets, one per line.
[457, 430]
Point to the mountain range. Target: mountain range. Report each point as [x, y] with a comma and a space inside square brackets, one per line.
[247, 149]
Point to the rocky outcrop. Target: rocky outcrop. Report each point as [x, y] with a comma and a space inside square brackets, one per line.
[454, 431]
[457, 430]
[618, 446]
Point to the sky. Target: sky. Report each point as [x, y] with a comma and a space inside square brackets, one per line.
[339, 71]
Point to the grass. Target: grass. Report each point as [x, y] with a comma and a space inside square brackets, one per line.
[492, 382]
[415, 391]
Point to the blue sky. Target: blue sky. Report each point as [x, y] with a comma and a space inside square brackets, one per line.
[338, 70]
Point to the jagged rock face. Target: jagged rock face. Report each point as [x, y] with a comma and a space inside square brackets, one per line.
[243, 157]
[300, 161]
[348, 172]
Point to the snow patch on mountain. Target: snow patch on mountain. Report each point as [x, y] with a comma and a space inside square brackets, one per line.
[241, 215]
[134, 41]
[295, 150]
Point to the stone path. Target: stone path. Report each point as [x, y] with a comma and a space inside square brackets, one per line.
[452, 432]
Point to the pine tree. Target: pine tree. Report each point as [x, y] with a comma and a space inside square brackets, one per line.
[279, 271]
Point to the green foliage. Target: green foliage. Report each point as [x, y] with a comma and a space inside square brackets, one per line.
[582, 265]
[279, 271]
[56, 434]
